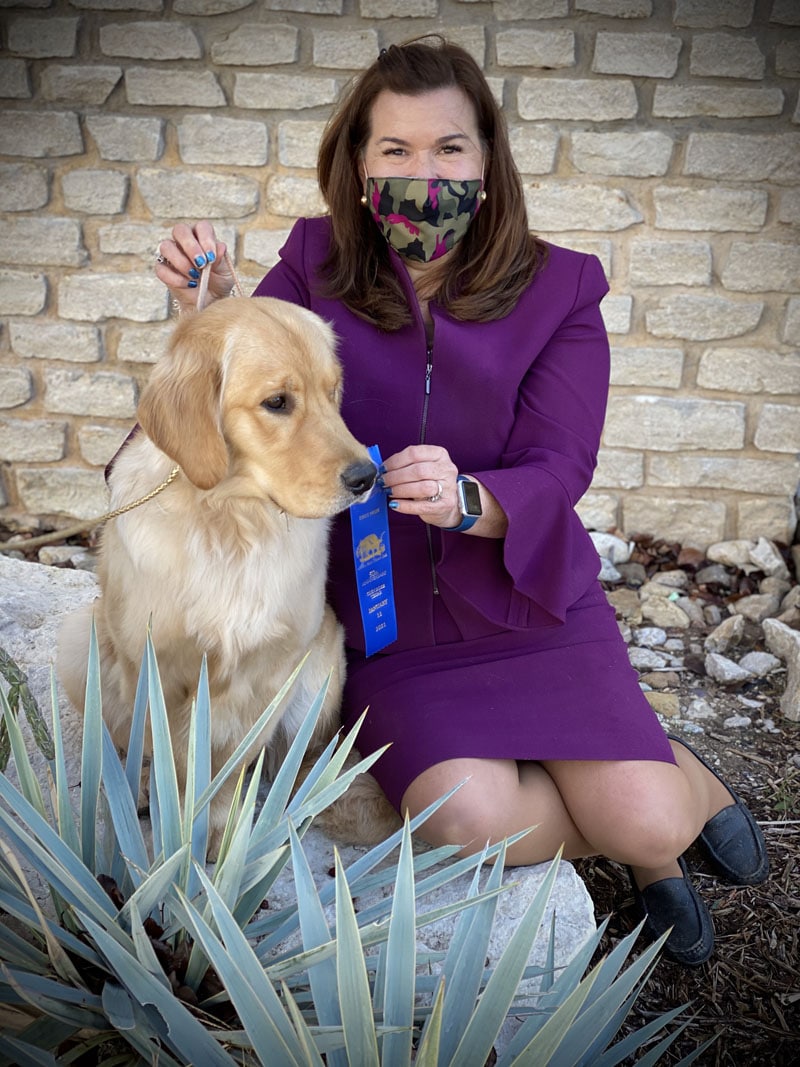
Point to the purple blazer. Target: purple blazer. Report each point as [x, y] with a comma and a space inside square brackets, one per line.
[518, 403]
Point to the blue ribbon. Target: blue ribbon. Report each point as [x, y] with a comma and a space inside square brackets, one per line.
[372, 555]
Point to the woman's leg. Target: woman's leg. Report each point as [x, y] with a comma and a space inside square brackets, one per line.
[642, 813]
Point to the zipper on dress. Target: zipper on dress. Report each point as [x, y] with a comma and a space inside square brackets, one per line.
[422, 432]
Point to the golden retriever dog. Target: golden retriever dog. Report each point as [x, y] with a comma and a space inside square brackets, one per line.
[229, 560]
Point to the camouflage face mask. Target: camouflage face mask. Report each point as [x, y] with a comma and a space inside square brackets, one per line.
[423, 218]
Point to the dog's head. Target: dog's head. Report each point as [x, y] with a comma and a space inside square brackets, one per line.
[248, 393]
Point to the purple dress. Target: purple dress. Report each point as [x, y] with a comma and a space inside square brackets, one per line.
[507, 648]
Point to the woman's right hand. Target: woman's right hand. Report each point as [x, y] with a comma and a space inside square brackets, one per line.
[185, 254]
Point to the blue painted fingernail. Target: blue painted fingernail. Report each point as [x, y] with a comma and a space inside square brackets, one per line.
[382, 469]
[211, 256]
[394, 504]
[194, 273]
[200, 261]
[192, 285]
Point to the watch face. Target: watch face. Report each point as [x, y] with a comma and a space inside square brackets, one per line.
[471, 497]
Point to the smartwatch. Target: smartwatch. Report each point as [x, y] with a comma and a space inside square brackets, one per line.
[469, 502]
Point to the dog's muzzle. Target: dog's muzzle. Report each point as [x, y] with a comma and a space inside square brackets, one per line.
[359, 478]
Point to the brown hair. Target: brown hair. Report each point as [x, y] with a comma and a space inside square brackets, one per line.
[496, 259]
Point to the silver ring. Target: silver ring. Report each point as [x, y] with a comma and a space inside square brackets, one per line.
[160, 258]
[437, 496]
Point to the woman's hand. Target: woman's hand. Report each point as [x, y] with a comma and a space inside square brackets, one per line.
[422, 481]
[189, 250]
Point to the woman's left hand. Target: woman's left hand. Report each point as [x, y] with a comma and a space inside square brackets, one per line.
[422, 480]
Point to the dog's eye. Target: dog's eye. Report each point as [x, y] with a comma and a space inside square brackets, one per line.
[275, 403]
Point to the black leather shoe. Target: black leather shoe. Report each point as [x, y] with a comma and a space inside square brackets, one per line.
[674, 902]
[732, 838]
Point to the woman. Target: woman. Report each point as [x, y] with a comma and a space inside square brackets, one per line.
[475, 353]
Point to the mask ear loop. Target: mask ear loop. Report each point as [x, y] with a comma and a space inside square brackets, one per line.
[482, 191]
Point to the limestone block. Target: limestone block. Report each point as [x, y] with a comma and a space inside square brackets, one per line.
[644, 55]
[150, 40]
[14, 84]
[640, 155]
[773, 517]
[744, 156]
[263, 246]
[27, 239]
[661, 368]
[713, 472]
[707, 14]
[749, 370]
[534, 148]
[98, 444]
[785, 12]
[75, 392]
[282, 91]
[667, 424]
[45, 133]
[473, 40]
[16, 386]
[172, 193]
[791, 325]
[254, 44]
[298, 142]
[175, 88]
[21, 293]
[313, 7]
[293, 197]
[680, 101]
[142, 238]
[787, 59]
[40, 38]
[32, 440]
[95, 192]
[726, 55]
[598, 511]
[616, 312]
[79, 84]
[720, 210]
[778, 428]
[62, 491]
[386, 9]
[121, 138]
[23, 187]
[505, 10]
[50, 339]
[549, 49]
[789, 207]
[670, 263]
[143, 344]
[618, 470]
[574, 206]
[211, 139]
[345, 49]
[576, 98]
[211, 7]
[619, 9]
[762, 266]
[702, 318]
[118, 5]
[692, 522]
[94, 297]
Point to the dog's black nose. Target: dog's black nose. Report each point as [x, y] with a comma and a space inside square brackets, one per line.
[359, 477]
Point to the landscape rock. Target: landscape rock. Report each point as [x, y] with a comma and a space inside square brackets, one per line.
[725, 636]
[785, 643]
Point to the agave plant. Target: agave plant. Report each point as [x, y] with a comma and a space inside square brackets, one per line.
[148, 956]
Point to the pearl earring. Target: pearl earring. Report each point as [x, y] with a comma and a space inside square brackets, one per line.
[364, 199]
[482, 195]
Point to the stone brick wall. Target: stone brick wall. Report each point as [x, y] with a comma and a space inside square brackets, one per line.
[663, 135]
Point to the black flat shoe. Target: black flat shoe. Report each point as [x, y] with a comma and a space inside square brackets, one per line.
[732, 838]
[674, 902]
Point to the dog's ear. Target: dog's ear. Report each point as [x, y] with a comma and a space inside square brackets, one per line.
[180, 409]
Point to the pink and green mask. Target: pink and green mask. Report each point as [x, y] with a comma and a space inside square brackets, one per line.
[423, 218]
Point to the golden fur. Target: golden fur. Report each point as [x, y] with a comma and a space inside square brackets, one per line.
[229, 560]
